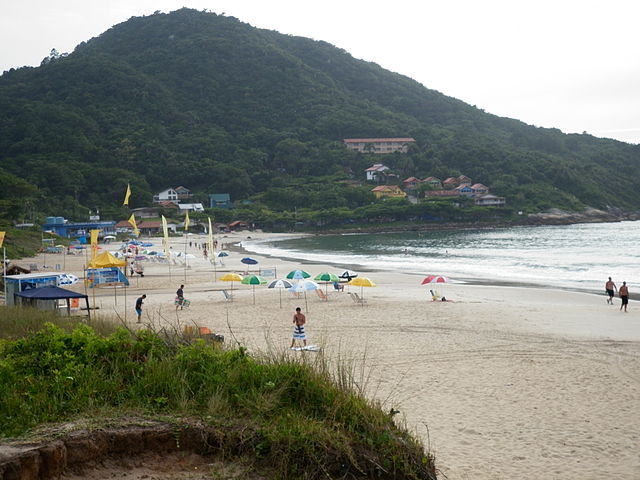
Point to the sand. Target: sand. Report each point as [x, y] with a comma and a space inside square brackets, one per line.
[501, 383]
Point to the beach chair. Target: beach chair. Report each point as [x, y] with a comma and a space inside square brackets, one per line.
[227, 296]
[356, 298]
[322, 295]
[338, 286]
[435, 295]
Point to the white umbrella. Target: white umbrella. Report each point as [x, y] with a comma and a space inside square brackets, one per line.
[280, 284]
[303, 286]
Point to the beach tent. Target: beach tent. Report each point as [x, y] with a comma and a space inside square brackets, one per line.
[105, 260]
[46, 298]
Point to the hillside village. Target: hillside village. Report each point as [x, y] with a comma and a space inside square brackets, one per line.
[412, 187]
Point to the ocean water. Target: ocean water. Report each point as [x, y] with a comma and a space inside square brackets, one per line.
[579, 257]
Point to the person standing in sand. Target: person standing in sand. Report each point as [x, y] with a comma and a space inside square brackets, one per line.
[139, 303]
[624, 296]
[179, 298]
[609, 286]
[299, 321]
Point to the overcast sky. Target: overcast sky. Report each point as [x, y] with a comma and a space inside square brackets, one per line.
[567, 64]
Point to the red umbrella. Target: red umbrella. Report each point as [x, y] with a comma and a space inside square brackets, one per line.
[434, 279]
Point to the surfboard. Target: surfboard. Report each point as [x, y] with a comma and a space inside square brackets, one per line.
[307, 348]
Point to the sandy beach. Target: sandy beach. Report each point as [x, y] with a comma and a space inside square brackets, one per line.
[501, 383]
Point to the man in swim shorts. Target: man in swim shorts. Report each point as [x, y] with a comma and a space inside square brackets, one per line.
[609, 286]
[624, 296]
[298, 327]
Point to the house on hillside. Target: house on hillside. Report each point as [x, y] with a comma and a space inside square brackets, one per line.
[183, 193]
[183, 208]
[411, 183]
[450, 182]
[479, 189]
[220, 200]
[391, 191]
[462, 179]
[168, 195]
[433, 182]
[375, 170]
[490, 201]
[379, 145]
[146, 212]
[465, 190]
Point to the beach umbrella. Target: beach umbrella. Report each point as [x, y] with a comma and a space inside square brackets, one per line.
[362, 282]
[327, 278]
[280, 284]
[297, 275]
[348, 275]
[231, 277]
[222, 253]
[253, 280]
[303, 286]
[109, 237]
[435, 279]
[249, 261]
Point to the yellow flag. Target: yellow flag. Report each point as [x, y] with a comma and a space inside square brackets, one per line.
[210, 240]
[94, 243]
[165, 231]
[127, 195]
[132, 221]
[186, 222]
[2, 238]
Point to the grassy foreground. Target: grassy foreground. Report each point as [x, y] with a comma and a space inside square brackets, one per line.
[293, 416]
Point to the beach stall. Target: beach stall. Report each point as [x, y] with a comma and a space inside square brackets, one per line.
[46, 298]
[104, 271]
[19, 283]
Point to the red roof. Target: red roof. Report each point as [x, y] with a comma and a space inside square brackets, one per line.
[375, 167]
[479, 186]
[150, 224]
[123, 224]
[451, 180]
[431, 179]
[411, 180]
[378, 140]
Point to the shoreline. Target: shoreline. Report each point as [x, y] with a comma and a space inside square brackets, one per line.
[525, 376]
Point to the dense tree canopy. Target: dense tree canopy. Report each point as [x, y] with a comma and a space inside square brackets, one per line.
[206, 101]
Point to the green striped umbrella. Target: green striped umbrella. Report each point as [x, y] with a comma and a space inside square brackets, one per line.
[254, 280]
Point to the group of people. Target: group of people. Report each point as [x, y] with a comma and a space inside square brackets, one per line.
[623, 292]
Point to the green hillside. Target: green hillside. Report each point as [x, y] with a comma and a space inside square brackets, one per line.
[211, 103]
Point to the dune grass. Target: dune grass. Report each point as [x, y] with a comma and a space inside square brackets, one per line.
[285, 412]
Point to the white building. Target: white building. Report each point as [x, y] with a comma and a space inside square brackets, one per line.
[379, 145]
[168, 195]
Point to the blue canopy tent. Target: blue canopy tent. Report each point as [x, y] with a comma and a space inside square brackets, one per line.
[52, 294]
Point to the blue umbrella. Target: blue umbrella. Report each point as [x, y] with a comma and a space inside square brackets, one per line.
[222, 253]
[249, 261]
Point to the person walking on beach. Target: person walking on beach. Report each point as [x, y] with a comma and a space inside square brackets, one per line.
[180, 297]
[609, 286]
[298, 330]
[139, 303]
[624, 296]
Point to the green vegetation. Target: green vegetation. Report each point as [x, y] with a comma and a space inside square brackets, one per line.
[219, 106]
[290, 415]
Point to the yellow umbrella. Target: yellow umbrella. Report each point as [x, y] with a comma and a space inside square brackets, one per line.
[231, 277]
[361, 282]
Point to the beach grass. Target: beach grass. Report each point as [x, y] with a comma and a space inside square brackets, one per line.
[303, 418]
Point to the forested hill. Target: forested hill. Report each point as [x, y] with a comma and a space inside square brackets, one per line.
[214, 104]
